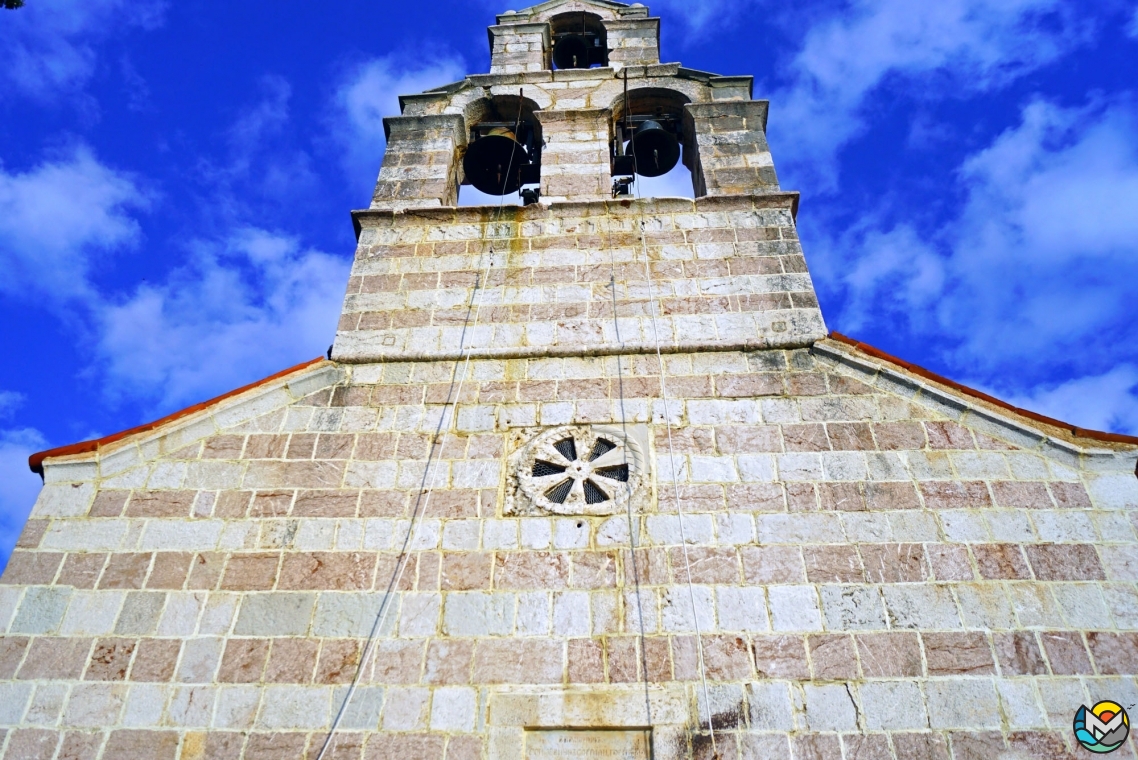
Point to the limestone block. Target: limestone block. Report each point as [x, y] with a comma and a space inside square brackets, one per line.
[41, 610]
[278, 614]
[295, 707]
[963, 703]
[63, 500]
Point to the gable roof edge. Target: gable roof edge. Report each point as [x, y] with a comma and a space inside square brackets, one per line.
[298, 387]
[1082, 447]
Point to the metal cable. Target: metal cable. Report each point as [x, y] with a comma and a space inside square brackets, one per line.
[632, 528]
[668, 426]
[473, 309]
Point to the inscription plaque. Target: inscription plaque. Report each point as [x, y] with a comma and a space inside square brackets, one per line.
[587, 745]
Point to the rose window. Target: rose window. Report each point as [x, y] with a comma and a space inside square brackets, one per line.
[580, 470]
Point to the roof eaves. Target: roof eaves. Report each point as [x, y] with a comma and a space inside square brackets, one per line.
[1072, 430]
[36, 461]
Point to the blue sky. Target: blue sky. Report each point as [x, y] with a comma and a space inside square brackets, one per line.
[175, 180]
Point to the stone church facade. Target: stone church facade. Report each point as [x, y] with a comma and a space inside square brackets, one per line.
[581, 478]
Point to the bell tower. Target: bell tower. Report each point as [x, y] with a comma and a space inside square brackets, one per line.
[578, 106]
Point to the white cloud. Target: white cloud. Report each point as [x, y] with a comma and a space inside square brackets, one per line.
[1099, 402]
[969, 44]
[245, 308]
[1038, 272]
[698, 16]
[1045, 254]
[370, 92]
[896, 262]
[57, 216]
[9, 402]
[48, 46]
[18, 485]
[1132, 30]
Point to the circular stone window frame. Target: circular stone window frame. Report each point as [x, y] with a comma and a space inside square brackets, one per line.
[529, 489]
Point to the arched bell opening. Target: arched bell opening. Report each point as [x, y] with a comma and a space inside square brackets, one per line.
[652, 144]
[502, 159]
[579, 40]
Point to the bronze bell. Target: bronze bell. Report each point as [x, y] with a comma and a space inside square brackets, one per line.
[656, 149]
[571, 52]
[493, 163]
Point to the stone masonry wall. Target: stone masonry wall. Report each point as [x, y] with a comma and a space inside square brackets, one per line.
[871, 576]
[873, 566]
[728, 272]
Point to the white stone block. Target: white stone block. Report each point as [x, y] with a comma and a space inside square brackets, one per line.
[200, 659]
[969, 704]
[319, 535]
[734, 529]
[794, 467]
[453, 709]
[921, 607]
[799, 528]
[829, 707]
[419, 615]
[478, 613]
[571, 614]
[166, 475]
[892, 705]
[741, 609]
[756, 468]
[145, 704]
[460, 535]
[91, 613]
[537, 533]
[1114, 491]
[181, 535]
[373, 474]
[295, 707]
[676, 610]
[9, 599]
[571, 533]
[533, 613]
[93, 535]
[706, 469]
[94, 705]
[1020, 704]
[613, 532]
[405, 709]
[984, 606]
[867, 527]
[476, 419]
[794, 608]
[770, 706]
[477, 474]
[217, 618]
[70, 472]
[980, 464]
[46, 705]
[180, 617]
[379, 534]
[500, 534]
[914, 527]
[64, 500]
[964, 526]
[1082, 605]
[715, 412]
[1009, 526]
[191, 706]
[844, 465]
